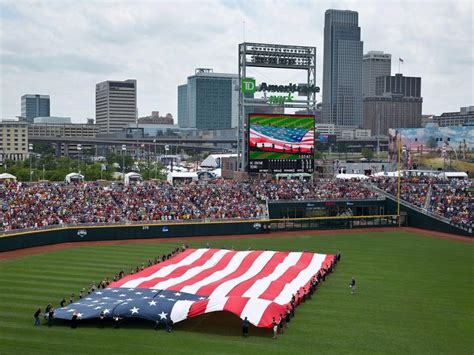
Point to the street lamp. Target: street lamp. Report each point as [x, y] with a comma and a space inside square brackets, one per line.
[79, 148]
[124, 148]
[30, 148]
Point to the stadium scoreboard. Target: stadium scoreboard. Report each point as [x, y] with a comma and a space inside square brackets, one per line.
[279, 143]
[275, 166]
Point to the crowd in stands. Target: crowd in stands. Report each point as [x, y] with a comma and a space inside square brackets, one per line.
[45, 204]
[24, 206]
[452, 199]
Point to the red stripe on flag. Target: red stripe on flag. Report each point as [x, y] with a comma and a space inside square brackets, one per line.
[241, 269]
[221, 264]
[154, 268]
[273, 310]
[236, 305]
[180, 270]
[198, 308]
[268, 269]
[276, 286]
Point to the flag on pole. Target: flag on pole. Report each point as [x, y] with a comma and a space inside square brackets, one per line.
[401, 60]
[254, 284]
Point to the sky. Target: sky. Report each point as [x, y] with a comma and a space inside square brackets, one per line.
[63, 48]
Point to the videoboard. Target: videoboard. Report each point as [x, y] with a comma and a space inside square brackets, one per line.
[279, 143]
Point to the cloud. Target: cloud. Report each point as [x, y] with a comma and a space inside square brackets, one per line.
[57, 63]
[63, 48]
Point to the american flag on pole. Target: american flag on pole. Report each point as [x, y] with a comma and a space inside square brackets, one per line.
[294, 140]
[254, 284]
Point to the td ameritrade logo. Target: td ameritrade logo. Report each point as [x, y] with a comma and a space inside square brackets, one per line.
[248, 86]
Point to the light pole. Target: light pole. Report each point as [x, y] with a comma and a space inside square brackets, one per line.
[43, 172]
[79, 148]
[124, 148]
[155, 160]
[30, 148]
[167, 148]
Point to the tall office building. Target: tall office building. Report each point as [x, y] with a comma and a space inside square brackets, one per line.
[183, 111]
[34, 106]
[115, 105]
[342, 69]
[374, 65]
[208, 101]
[397, 103]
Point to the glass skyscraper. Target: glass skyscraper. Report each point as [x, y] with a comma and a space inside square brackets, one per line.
[208, 101]
[34, 106]
[342, 69]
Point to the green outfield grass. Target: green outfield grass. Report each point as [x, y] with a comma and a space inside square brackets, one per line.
[284, 121]
[414, 295]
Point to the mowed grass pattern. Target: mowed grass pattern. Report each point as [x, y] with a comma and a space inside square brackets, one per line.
[414, 295]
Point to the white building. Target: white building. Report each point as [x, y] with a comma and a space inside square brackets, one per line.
[13, 140]
[115, 105]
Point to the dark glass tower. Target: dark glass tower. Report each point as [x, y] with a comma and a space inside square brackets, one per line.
[342, 72]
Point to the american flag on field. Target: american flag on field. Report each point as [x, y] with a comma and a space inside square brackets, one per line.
[253, 284]
[294, 140]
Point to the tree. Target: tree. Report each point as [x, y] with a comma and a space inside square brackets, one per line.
[43, 149]
[342, 148]
[431, 143]
[367, 153]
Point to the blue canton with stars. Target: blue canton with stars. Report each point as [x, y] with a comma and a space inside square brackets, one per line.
[155, 305]
[290, 135]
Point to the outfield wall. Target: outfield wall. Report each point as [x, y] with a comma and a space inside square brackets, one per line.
[121, 232]
[27, 239]
[420, 219]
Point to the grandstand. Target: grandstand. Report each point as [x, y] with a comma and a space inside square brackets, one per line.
[58, 205]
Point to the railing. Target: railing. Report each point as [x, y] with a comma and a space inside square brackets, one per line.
[371, 199]
[130, 223]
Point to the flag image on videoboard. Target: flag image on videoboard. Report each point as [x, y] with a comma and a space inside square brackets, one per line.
[281, 143]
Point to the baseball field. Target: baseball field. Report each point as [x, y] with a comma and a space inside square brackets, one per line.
[414, 295]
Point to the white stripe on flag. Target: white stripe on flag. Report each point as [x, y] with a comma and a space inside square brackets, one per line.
[164, 285]
[254, 310]
[216, 304]
[180, 310]
[256, 267]
[304, 276]
[229, 269]
[261, 285]
[167, 269]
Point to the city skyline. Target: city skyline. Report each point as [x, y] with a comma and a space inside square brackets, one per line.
[159, 44]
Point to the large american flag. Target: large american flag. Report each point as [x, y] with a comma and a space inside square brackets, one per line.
[294, 140]
[255, 284]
